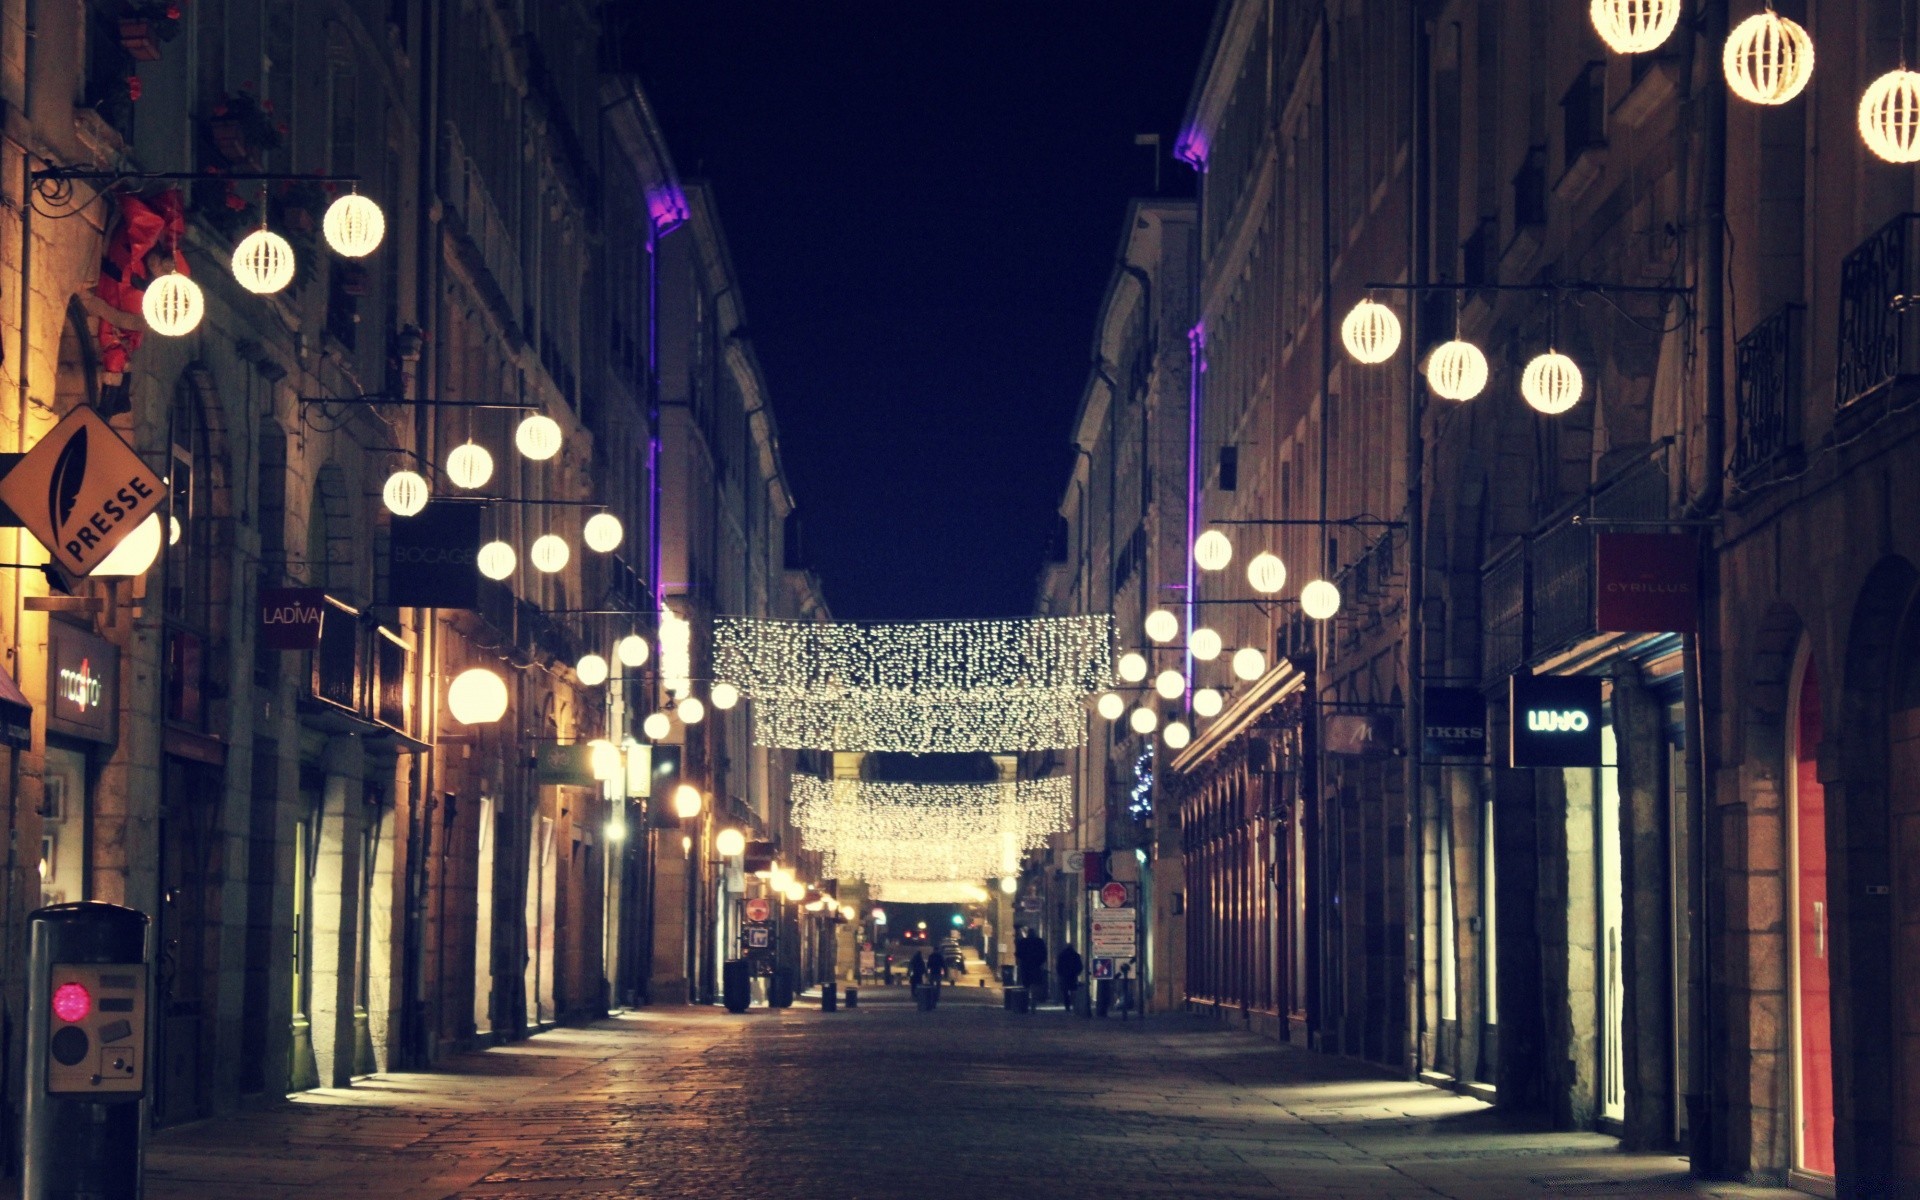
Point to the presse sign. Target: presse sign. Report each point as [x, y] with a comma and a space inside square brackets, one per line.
[81, 490]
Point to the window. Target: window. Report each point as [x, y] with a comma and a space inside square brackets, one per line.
[189, 562]
[1530, 190]
[1584, 112]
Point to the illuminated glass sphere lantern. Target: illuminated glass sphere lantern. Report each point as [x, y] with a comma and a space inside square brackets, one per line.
[1212, 551]
[354, 226]
[724, 696]
[1208, 702]
[477, 696]
[1457, 370]
[1769, 59]
[1552, 383]
[538, 437]
[1635, 26]
[135, 553]
[1144, 720]
[496, 561]
[263, 262]
[657, 726]
[730, 843]
[1177, 735]
[603, 533]
[1249, 664]
[1890, 116]
[405, 493]
[1320, 600]
[690, 711]
[1205, 644]
[1371, 332]
[1162, 626]
[173, 305]
[1170, 684]
[1111, 706]
[591, 670]
[633, 650]
[469, 466]
[1266, 574]
[1133, 667]
[549, 553]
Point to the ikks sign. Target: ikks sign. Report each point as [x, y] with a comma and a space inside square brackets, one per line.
[292, 618]
[81, 490]
[1556, 720]
[83, 676]
[1456, 723]
[1647, 582]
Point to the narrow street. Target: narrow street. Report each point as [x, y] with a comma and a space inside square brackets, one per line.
[887, 1101]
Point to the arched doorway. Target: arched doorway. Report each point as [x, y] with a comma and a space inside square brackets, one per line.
[1811, 982]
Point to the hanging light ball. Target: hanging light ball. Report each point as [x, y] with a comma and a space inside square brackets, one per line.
[469, 466]
[1769, 59]
[1111, 706]
[1552, 383]
[1205, 644]
[1144, 720]
[549, 553]
[1170, 684]
[354, 226]
[1177, 735]
[135, 553]
[1890, 116]
[1249, 664]
[1133, 666]
[538, 437]
[496, 560]
[263, 262]
[591, 670]
[656, 726]
[1266, 574]
[687, 802]
[1320, 600]
[1212, 551]
[1371, 332]
[724, 696]
[1635, 26]
[1208, 702]
[1457, 370]
[730, 843]
[632, 650]
[173, 530]
[173, 305]
[405, 493]
[477, 696]
[603, 532]
[690, 711]
[605, 760]
[1162, 626]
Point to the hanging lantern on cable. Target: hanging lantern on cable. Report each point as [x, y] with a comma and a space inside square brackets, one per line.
[1205, 644]
[538, 437]
[477, 696]
[633, 650]
[469, 466]
[1144, 720]
[1552, 383]
[1635, 26]
[1111, 706]
[1890, 116]
[1208, 702]
[1212, 551]
[602, 533]
[263, 262]
[690, 711]
[405, 493]
[496, 560]
[173, 305]
[1177, 735]
[657, 726]
[724, 696]
[1266, 574]
[1371, 332]
[1170, 684]
[1768, 59]
[354, 226]
[135, 553]
[1162, 626]
[1320, 600]
[1249, 664]
[1457, 370]
[591, 670]
[1133, 666]
[549, 553]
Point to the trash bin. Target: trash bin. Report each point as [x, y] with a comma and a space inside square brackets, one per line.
[853, 997]
[829, 996]
[928, 995]
[736, 985]
[1019, 1000]
[780, 988]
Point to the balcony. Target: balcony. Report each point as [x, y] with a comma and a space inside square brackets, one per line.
[1879, 341]
[1767, 386]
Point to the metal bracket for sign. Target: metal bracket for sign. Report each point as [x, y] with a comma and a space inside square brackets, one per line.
[1351, 522]
[1539, 289]
[1647, 522]
[383, 398]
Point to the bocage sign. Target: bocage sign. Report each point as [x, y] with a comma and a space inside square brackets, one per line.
[81, 490]
[431, 558]
[82, 674]
[1556, 720]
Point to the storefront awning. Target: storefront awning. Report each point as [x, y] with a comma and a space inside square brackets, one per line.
[1270, 689]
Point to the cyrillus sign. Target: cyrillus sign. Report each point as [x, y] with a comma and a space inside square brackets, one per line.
[80, 490]
[1556, 720]
[1647, 583]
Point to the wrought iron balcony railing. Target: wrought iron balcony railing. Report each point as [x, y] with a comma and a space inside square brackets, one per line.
[1767, 386]
[1879, 308]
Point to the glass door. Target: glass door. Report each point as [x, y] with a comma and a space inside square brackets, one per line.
[1613, 986]
[1812, 985]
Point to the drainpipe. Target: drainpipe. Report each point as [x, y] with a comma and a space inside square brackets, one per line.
[1417, 216]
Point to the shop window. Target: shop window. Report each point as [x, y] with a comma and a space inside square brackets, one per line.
[188, 600]
[65, 817]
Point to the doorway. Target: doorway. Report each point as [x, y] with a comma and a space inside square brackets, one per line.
[1812, 988]
[190, 878]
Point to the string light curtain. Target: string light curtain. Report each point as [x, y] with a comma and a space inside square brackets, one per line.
[794, 660]
[940, 723]
[901, 891]
[926, 831]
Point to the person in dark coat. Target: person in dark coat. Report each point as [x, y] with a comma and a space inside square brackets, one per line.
[917, 970]
[936, 968]
[1068, 967]
[1030, 956]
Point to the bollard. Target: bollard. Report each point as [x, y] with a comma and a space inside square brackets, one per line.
[86, 1052]
[829, 996]
[853, 997]
[736, 985]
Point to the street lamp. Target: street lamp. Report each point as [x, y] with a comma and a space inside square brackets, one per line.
[730, 843]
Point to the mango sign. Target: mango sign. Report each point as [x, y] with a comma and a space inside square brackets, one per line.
[80, 490]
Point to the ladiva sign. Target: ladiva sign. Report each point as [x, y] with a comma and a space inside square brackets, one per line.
[81, 490]
[292, 618]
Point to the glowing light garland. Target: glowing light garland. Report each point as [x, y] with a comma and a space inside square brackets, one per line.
[676, 653]
[788, 660]
[926, 831]
[920, 891]
[951, 723]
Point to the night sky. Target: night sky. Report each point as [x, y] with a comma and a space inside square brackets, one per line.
[923, 202]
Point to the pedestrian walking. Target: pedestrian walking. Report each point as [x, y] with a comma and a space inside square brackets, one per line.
[1068, 967]
[917, 970]
[1030, 956]
[936, 968]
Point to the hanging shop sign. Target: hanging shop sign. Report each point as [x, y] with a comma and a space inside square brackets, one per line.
[1455, 722]
[1556, 720]
[1358, 735]
[83, 675]
[292, 618]
[16, 714]
[81, 490]
[1647, 582]
[432, 558]
[566, 766]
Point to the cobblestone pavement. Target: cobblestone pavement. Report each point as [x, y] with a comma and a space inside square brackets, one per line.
[885, 1101]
